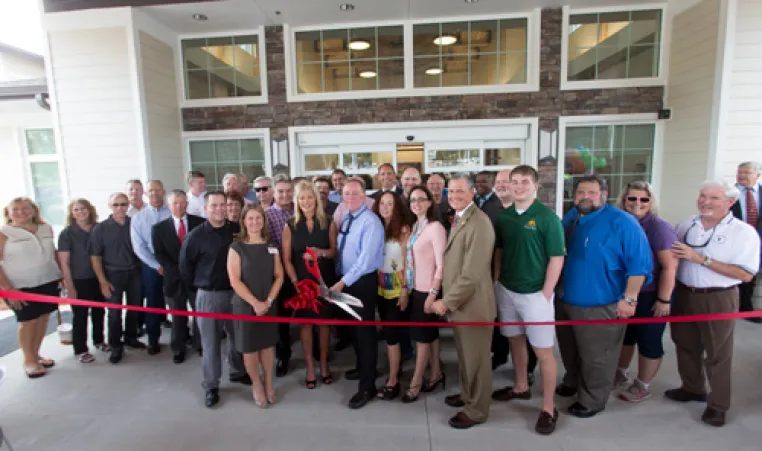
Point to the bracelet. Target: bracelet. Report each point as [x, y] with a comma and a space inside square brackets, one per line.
[662, 301]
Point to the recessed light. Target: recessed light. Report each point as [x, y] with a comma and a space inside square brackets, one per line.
[359, 44]
[200, 17]
[368, 74]
[471, 1]
[445, 39]
[433, 71]
[347, 7]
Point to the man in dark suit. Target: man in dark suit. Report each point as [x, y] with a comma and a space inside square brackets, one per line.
[167, 237]
[747, 209]
[485, 197]
[387, 177]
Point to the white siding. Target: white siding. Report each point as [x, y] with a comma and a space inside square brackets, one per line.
[96, 106]
[162, 112]
[743, 121]
[689, 93]
[15, 68]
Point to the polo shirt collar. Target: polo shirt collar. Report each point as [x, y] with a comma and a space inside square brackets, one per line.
[724, 221]
[591, 216]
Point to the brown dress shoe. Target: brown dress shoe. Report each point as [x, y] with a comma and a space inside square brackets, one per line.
[454, 401]
[507, 394]
[713, 417]
[462, 421]
[546, 423]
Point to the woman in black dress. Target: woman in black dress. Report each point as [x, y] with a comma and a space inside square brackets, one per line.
[256, 275]
[311, 228]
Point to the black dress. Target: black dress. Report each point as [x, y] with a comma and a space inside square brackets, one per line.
[301, 239]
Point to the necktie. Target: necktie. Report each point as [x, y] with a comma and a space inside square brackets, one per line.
[181, 232]
[343, 232]
[454, 221]
[752, 214]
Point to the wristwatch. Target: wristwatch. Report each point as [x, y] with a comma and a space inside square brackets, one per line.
[434, 291]
[707, 261]
[630, 301]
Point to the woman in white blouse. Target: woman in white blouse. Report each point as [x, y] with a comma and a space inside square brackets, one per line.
[28, 263]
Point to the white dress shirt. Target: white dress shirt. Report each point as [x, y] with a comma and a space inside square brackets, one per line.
[184, 219]
[196, 204]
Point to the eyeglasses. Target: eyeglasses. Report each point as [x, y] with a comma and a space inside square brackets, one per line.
[121, 204]
[643, 200]
[262, 188]
[418, 200]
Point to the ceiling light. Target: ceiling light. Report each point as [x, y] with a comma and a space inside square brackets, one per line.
[200, 17]
[445, 39]
[347, 7]
[434, 71]
[359, 44]
[368, 74]
[471, 1]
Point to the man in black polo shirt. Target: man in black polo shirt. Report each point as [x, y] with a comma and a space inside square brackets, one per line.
[203, 265]
[118, 271]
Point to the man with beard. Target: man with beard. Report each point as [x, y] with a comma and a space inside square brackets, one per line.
[608, 261]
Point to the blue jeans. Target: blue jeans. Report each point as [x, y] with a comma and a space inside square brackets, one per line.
[152, 288]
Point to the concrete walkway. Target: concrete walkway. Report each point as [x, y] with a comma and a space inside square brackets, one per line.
[148, 403]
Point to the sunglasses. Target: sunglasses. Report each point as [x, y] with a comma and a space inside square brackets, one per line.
[263, 188]
[121, 204]
[643, 200]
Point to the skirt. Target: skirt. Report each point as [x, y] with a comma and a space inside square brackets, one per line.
[33, 310]
[422, 334]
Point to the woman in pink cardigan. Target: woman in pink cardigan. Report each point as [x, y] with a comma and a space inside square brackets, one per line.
[423, 270]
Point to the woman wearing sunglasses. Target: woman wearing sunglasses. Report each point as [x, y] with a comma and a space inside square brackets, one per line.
[654, 299]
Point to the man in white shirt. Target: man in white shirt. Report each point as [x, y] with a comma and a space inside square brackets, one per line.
[197, 184]
[717, 253]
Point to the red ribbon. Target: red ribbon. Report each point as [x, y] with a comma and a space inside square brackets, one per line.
[21, 296]
[307, 294]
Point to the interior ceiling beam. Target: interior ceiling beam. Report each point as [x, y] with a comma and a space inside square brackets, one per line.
[56, 6]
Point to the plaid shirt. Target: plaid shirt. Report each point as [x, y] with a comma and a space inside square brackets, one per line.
[276, 221]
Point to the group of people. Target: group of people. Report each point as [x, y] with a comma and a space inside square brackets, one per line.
[477, 251]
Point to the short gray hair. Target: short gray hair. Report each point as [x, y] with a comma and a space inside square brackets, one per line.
[640, 185]
[264, 178]
[756, 167]
[229, 176]
[463, 176]
[175, 193]
[731, 192]
[282, 178]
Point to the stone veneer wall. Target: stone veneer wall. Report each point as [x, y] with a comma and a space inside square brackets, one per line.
[548, 103]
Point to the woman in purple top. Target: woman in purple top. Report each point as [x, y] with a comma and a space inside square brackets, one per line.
[654, 299]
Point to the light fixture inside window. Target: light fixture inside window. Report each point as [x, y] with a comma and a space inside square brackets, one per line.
[434, 71]
[347, 7]
[445, 39]
[200, 17]
[368, 74]
[359, 44]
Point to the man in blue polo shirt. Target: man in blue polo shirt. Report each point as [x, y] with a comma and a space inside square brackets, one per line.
[608, 260]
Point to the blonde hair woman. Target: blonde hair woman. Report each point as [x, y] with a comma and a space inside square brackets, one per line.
[28, 257]
[79, 277]
[311, 229]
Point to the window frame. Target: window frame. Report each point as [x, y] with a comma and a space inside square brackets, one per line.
[609, 120]
[218, 135]
[660, 80]
[532, 84]
[56, 157]
[223, 101]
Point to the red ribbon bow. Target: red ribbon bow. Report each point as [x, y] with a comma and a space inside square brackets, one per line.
[308, 293]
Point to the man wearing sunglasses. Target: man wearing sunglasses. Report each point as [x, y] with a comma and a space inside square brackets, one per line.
[717, 253]
[264, 191]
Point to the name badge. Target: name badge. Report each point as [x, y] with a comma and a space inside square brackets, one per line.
[272, 250]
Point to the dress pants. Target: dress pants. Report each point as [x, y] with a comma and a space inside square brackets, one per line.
[746, 295]
[472, 345]
[715, 338]
[211, 337]
[179, 338]
[88, 290]
[127, 283]
[364, 338]
[283, 347]
[590, 353]
[152, 288]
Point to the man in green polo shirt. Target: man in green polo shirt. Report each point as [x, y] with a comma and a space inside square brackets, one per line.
[529, 256]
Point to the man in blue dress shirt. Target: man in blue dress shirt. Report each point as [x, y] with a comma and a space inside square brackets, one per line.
[608, 260]
[361, 253]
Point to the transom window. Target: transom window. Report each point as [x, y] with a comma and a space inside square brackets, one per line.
[217, 157]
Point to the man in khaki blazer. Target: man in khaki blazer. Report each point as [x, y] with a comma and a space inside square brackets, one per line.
[469, 295]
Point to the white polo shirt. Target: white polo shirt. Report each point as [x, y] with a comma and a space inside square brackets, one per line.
[732, 241]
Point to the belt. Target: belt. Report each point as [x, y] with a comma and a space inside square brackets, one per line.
[706, 289]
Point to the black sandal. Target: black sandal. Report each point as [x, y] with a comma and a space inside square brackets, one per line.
[327, 380]
[388, 393]
[311, 384]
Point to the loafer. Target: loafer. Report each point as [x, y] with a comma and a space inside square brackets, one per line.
[682, 395]
[116, 355]
[454, 401]
[361, 398]
[154, 349]
[508, 394]
[178, 357]
[281, 368]
[462, 421]
[713, 417]
[135, 344]
[565, 391]
[212, 397]
[580, 411]
[244, 379]
[546, 423]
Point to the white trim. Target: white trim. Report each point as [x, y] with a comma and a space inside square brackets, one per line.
[664, 33]
[532, 84]
[85, 19]
[608, 119]
[223, 101]
[723, 71]
[215, 135]
[139, 100]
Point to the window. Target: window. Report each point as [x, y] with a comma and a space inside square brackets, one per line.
[45, 176]
[619, 153]
[351, 59]
[217, 157]
[618, 45]
[488, 52]
[223, 67]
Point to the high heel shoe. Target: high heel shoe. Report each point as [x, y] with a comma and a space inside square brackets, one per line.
[412, 394]
[430, 386]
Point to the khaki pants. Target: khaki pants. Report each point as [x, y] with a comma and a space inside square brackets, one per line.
[590, 352]
[475, 369]
[715, 338]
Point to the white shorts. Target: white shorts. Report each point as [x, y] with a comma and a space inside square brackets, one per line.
[532, 307]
